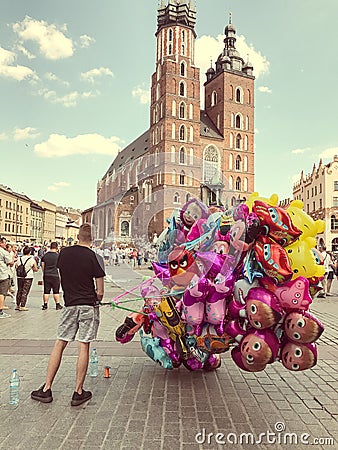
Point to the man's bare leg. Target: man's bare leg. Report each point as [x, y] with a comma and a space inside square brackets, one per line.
[54, 362]
[81, 365]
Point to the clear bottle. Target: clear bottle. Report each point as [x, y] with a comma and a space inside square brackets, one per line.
[14, 388]
[93, 363]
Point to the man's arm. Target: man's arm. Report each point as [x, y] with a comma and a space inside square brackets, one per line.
[99, 288]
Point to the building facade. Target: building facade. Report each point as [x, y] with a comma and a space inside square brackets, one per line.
[319, 193]
[186, 152]
[15, 215]
[37, 226]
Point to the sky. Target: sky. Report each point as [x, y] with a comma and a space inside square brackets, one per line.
[75, 78]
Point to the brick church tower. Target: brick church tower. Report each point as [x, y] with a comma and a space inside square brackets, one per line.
[186, 152]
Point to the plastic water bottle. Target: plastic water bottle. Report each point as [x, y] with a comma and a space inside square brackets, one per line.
[93, 363]
[14, 388]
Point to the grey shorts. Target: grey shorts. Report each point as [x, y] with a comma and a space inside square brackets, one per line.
[4, 286]
[80, 319]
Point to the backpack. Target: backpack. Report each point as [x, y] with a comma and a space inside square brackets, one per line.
[21, 271]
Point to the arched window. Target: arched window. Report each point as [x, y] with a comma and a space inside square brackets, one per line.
[170, 34]
[183, 36]
[231, 182]
[246, 142]
[249, 96]
[238, 95]
[238, 163]
[191, 178]
[173, 154]
[238, 121]
[334, 223]
[245, 184]
[183, 159]
[245, 164]
[191, 156]
[182, 133]
[187, 197]
[191, 134]
[230, 161]
[247, 122]
[174, 86]
[182, 71]
[182, 178]
[238, 184]
[173, 108]
[231, 143]
[231, 92]
[176, 197]
[182, 110]
[211, 164]
[191, 111]
[233, 201]
[214, 98]
[182, 89]
[170, 49]
[173, 131]
[183, 49]
[238, 141]
[173, 177]
[157, 91]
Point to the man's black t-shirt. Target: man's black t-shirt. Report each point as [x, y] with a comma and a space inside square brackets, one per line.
[50, 259]
[78, 267]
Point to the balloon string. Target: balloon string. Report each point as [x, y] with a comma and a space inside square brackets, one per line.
[135, 287]
[114, 305]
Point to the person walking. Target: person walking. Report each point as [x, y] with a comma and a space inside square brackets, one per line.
[82, 281]
[51, 277]
[25, 283]
[5, 260]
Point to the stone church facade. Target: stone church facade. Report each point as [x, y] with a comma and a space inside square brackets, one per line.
[186, 152]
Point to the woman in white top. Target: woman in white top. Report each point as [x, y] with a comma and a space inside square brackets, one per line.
[25, 283]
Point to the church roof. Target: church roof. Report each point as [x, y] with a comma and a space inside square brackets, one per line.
[140, 146]
[130, 153]
[208, 129]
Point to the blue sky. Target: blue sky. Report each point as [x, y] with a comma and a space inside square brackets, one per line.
[75, 77]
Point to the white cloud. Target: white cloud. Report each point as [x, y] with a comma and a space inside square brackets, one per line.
[298, 151]
[52, 42]
[22, 134]
[52, 77]
[3, 137]
[142, 94]
[86, 41]
[69, 100]
[58, 146]
[329, 153]
[25, 52]
[93, 74]
[264, 89]
[58, 185]
[7, 69]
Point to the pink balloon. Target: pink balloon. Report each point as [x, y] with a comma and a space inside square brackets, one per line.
[294, 294]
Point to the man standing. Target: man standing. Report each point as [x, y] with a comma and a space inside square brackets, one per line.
[51, 278]
[79, 266]
[5, 260]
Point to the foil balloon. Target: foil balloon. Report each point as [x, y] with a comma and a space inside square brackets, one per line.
[151, 346]
[182, 266]
[215, 304]
[276, 223]
[297, 357]
[263, 308]
[302, 327]
[294, 294]
[251, 268]
[211, 342]
[192, 211]
[302, 259]
[193, 303]
[272, 200]
[273, 259]
[303, 221]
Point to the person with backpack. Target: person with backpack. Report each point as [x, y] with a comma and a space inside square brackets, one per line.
[25, 268]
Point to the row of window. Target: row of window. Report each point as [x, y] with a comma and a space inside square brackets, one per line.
[157, 134]
[10, 228]
[239, 96]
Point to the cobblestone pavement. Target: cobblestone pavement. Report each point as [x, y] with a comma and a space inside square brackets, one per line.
[143, 406]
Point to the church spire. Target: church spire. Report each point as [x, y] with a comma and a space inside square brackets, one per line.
[176, 12]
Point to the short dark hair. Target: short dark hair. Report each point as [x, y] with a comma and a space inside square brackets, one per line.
[85, 232]
[26, 250]
[54, 245]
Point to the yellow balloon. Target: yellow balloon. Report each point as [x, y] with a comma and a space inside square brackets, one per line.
[304, 222]
[302, 259]
[272, 200]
